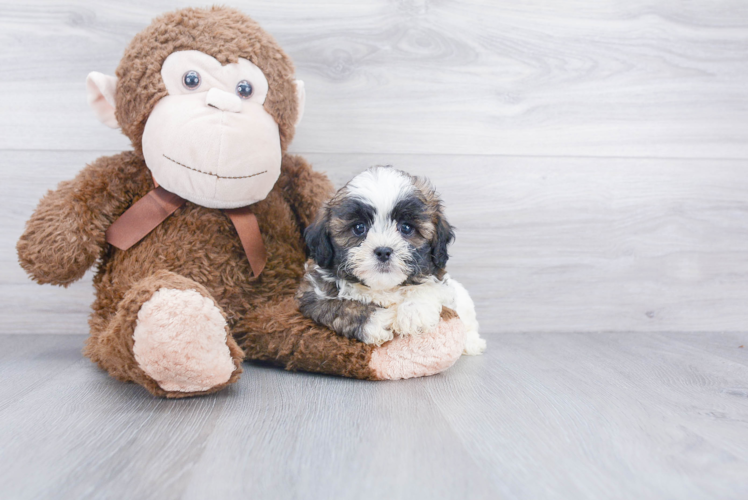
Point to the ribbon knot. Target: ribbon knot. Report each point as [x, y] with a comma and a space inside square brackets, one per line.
[156, 206]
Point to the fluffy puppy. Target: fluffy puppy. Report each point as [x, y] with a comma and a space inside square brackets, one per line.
[379, 252]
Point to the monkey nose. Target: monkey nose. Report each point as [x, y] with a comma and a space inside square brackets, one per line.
[224, 101]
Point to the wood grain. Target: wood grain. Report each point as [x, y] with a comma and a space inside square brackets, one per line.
[576, 416]
[593, 158]
[558, 416]
[642, 78]
[572, 244]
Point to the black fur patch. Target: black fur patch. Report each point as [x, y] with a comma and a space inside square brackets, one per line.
[318, 240]
[352, 210]
[343, 216]
[344, 317]
[410, 210]
[422, 265]
[443, 237]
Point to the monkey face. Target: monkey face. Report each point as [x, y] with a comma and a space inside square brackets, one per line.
[208, 100]
[210, 140]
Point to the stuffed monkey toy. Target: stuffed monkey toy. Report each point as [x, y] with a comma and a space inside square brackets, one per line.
[197, 233]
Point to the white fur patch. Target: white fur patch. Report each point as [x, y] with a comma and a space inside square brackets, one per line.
[378, 328]
[416, 309]
[363, 262]
[417, 316]
[474, 344]
[381, 188]
[431, 290]
[463, 305]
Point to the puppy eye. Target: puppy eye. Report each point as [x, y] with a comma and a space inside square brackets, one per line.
[244, 89]
[359, 229]
[406, 229]
[191, 80]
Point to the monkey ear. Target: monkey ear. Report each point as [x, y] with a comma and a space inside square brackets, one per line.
[444, 235]
[318, 240]
[301, 98]
[101, 90]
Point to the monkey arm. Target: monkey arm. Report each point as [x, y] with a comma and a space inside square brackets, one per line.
[65, 234]
[303, 188]
[277, 333]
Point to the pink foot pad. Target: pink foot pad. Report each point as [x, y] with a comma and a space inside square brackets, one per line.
[180, 341]
[420, 355]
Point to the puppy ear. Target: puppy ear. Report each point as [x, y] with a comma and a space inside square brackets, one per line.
[318, 240]
[443, 236]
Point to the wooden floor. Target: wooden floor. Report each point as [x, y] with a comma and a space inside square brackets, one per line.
[567, 416]
[594, 159]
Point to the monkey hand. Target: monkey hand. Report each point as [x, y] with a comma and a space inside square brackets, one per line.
[55, 248]
[431, 352]
[66, 233]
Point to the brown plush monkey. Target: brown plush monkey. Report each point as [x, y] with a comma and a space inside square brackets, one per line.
[197, 232]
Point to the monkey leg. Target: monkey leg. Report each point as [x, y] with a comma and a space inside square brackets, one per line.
[170, 336]
[277, 333]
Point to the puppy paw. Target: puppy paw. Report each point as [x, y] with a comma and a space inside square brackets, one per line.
[378, 328]
[474, 345]
[415, 317]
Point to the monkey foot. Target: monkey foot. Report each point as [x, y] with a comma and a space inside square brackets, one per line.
[180, 341]
[421, 355]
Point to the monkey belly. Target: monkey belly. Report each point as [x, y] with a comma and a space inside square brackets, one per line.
[201, 244]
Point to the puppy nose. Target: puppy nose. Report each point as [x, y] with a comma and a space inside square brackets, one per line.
[224, 101]
[383, 253]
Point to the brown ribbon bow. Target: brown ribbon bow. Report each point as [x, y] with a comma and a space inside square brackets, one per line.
[152, 209]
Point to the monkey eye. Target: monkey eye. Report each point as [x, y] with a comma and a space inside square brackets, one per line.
[191, 80]
[359, 229]
[244, 89]
[406, 229]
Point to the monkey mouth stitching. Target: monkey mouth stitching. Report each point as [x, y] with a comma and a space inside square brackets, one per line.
[209, 173]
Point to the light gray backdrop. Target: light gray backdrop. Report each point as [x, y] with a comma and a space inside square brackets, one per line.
[593, 155]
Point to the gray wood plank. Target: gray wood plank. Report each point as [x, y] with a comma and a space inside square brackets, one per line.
[564, 244]
[567, 416]
[605, 415]
[575, 78]
[29, 361]
[342, 439]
